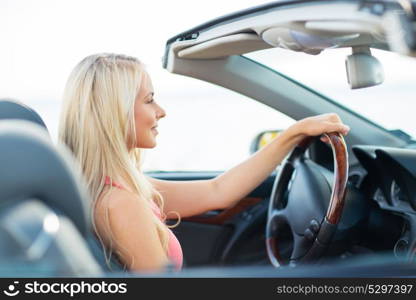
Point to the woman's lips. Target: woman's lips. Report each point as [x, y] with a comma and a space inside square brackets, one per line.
[155, 130]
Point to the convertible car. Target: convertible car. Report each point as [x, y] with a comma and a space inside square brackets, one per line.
[345, 208]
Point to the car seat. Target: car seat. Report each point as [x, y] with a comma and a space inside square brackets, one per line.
[44, 215]
[13, 109]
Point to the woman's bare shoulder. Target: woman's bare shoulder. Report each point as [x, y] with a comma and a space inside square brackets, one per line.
[133, 231]
[119, 199]
[125, 214]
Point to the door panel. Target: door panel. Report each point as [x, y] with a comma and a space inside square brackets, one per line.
[201, 243]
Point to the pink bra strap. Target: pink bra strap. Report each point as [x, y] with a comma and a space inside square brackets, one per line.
[115, 184]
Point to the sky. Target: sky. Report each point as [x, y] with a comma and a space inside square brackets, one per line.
[42, 40]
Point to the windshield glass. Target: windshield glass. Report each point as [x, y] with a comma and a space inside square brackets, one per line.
[391, 104]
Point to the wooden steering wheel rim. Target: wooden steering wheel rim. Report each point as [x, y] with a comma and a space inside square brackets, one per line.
[336, 204]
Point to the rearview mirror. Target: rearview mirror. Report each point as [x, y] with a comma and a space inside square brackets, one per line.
[363, 69]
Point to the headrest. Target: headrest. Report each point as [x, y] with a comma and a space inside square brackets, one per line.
[12, 109]
[32, 168]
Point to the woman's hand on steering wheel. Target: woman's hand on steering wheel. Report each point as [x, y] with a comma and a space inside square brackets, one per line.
[318, 125]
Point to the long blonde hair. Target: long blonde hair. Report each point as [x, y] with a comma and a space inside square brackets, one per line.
[97, 124]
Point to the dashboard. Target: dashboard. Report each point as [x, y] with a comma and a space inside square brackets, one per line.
[393, 172]
[390, 182]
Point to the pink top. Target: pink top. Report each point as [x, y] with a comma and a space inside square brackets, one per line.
[174, 247]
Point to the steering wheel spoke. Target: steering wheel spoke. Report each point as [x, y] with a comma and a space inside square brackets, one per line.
[276, 224]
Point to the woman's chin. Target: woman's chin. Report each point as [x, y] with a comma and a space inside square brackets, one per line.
[147, 146]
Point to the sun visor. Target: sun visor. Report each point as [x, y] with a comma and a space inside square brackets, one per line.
[235, 44]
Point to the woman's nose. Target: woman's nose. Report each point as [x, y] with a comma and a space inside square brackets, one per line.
[161, 112]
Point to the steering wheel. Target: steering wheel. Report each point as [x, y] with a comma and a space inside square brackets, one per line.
[299, 197]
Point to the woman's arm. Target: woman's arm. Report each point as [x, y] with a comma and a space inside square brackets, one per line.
[239, 181]
[196, 197]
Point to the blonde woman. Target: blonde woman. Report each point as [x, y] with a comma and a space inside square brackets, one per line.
[109, 115]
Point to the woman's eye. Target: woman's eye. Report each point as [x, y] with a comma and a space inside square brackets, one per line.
[151, 100]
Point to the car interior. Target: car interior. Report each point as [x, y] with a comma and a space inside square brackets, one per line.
[281, 228]
[379, 161]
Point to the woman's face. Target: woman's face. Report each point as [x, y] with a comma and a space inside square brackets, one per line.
[146, 113]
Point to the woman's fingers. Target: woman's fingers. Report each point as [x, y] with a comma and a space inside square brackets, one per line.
[341, 128]
[324, 139]
[325, 123]
[334, 117]
[337, 127]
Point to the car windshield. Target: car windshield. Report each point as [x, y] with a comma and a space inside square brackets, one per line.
[391, 104]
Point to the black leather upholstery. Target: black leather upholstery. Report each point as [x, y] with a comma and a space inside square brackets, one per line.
[12, 109]
[31, 167]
